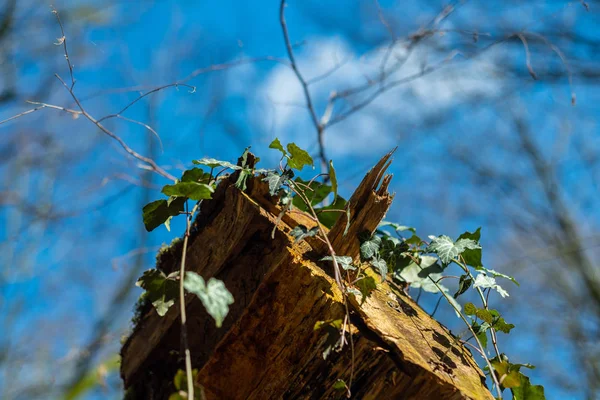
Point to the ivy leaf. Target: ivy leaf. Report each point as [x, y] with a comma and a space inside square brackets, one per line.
[316, 194]
[160, 289]
[484, 281]
[417, 276]
[481, 313]
[276, 181]
[158, 212]
[381, 266]
[447, 249]
[510, 376]
[329, 219]
[414, 240]
[492, 317]
[212, 163]
[243, 178]
[497, 274]
[343, 261]
[333, 339]
[192, 190]
[195, 175]
[340, 385]
[366, 285]
[180, 382]
[214, 296]
[302, 232]
[480, 331]
[393, 250]
[464, 284]
[499, 324]
[527, 391]
[298, 158]
[333, 179]
[370, 246]
[472, 256]
[397, 227]
[275, 144]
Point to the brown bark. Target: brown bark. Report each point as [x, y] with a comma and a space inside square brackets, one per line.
[267, 348]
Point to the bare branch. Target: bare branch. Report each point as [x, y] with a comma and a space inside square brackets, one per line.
[309, 103]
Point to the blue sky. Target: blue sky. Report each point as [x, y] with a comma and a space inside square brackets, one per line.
[149, 44]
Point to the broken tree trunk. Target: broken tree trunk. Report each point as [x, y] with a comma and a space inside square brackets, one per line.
[267, 347]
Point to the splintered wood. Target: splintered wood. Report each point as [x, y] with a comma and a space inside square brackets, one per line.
[267, 347]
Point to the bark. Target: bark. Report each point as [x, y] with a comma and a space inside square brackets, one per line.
[267, 347]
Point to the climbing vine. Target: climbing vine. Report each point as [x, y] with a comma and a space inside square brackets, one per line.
[400, 258]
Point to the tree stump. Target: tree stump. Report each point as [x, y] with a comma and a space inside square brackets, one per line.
[267, 347]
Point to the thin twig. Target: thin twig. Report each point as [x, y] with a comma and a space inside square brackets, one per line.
[309, 103]
[151, 163]
[63, 40]
[192, 90]
[145, 126]
[527, 56]
[184, 338]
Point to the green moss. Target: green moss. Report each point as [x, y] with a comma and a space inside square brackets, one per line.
[141, 307]
[167, 256]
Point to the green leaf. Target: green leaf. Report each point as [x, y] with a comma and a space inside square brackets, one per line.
[214, 296]
[192, 190]
[159, 211]
[369, 246]
[481, 313]
[180, 382]
[335, 323]
[275, 144]
[414, 240]
[418, 275]
[196, 175]
[339, 385]
[298, 158]
[380, 266]
[329, 219]
[464, 284]
[484, 281]
[301, 232]
[527, 391]
[243, 178]
[343, 261]
[244, 158]
[366, 285]
[492, 317]
[472, 256]
[497, 274]
[397, 227]
[480, 331]
[333, 337]
[212, 163]
[160, 289]
[393, 250]
[447, 250]
[333, 179]
[276, 181]
[315, 193]
[510, 376]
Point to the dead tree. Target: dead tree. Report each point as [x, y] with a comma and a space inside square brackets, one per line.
[267, 347]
